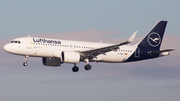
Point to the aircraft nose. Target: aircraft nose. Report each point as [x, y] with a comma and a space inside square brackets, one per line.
[7, 47]
[11, 48]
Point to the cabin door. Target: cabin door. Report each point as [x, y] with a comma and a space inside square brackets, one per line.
[29, 43]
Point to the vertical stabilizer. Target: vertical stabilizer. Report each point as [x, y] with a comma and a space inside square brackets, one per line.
[154, 38]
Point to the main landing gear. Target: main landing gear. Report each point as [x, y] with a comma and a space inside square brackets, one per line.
[86, 67]
[75, 68]
[26, 59]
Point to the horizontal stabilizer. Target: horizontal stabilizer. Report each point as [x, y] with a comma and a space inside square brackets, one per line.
[161, 51]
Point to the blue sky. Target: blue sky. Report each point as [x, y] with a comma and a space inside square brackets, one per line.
[94, 20]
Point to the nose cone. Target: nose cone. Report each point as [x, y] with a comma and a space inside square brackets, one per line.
[7, 48]
[11, 48]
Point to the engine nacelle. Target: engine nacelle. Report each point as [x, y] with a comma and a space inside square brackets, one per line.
[70, 57]
[51, 61]
[164, 54]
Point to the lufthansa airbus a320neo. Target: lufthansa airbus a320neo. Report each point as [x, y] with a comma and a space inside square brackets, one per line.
[54, 52]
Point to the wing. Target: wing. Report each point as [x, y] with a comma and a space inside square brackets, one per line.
[95, 52]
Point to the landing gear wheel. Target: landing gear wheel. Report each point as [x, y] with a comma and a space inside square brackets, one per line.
[26, 59]
[75, 69]
[25, 64]
[87, 67]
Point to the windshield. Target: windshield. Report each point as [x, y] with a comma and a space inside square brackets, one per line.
[16, 42]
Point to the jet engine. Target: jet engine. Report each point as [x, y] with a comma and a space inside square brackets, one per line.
[70, 57]
[51, 61]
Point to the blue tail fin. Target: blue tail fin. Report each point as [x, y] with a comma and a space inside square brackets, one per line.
[154, 38]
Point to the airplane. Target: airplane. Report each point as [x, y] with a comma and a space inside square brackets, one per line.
[55, 52]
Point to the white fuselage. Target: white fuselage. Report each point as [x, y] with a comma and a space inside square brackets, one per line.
[54, 52]
[43, 47]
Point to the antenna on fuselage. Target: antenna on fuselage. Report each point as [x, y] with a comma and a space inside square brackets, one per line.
[28, 36]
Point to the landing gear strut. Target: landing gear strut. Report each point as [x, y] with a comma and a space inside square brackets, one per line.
[26, 59]
[87, 66]
[75, 68]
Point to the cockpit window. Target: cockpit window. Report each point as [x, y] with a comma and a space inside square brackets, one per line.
[16, 42]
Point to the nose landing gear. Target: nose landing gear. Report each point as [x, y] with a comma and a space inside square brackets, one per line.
[26, 59]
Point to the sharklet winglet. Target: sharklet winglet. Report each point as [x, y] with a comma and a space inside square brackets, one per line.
[132, 37]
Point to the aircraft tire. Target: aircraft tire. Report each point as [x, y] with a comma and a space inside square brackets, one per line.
[87, 67]
[75, 69]
[25, 64]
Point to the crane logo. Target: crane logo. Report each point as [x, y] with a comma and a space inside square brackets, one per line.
[154, 39]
